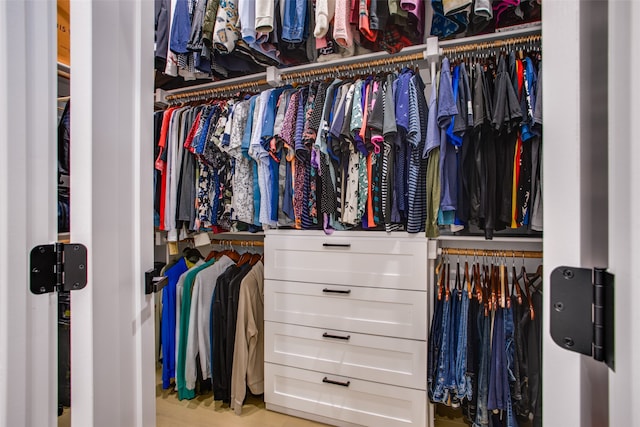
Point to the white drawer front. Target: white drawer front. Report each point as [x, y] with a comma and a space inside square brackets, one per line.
[361, 402]
[387, 312]
[359, 261]
[386, 360]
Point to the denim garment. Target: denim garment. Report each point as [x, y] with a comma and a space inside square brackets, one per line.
[294, 20]
[475, 323]
[454, 321]
[435, 344]
[509, 356]
[498, 372]
[440, 392]
[482, 416]
[463, 381]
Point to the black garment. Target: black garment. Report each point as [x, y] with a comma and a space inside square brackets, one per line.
[232, 315]
[506, 119]
[64, 168]
[463, 125]
[220, 376]
[485, 139]
[535, 360]
[474, 329]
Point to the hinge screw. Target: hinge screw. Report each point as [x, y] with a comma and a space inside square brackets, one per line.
[81, 266]
[42, 289]
[558, 306]
[35, 270]
[568, 341]
[568, 274]
[41, 249]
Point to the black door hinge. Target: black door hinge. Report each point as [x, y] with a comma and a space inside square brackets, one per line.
[58, 267]
[582, 312]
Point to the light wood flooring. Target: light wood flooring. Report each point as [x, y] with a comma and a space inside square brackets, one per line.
[203, 411]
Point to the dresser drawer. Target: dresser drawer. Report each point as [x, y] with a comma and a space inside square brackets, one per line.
[387, 312]
[386, 360]
[355, 401]
[383, 262]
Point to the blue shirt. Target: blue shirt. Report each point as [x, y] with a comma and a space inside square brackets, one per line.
[168, 322]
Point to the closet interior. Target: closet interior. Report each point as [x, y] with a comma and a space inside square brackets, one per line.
[356, 237]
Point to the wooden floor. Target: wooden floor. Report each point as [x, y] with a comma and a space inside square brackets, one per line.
[203, 411]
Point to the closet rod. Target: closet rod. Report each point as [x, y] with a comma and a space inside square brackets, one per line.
[238, 83]
[64, 71]
[531, 39]
[490, 253]
[241, 243]
[506, 34]
[63, 98]
[371, 64]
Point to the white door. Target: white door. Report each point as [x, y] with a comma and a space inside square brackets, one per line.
[591, 196]
[113, 367]
[28, 201]
[624, 204]
[112, 320]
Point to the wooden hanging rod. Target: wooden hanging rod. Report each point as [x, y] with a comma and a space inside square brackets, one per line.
[494, 44]
[490, 253]
[347, 68]
[212, 92]
[241, 243]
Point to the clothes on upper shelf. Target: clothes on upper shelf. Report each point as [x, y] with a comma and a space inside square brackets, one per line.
[485, 347]
[212, 327]
[224, 38]
[466, 17]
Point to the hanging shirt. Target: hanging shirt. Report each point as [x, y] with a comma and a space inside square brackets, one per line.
[168, 322]
[448, 171]
[183, 309]
[198, 326]
[242, 200]
[248, 354]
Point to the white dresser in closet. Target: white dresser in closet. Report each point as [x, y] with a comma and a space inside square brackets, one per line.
[346, 327]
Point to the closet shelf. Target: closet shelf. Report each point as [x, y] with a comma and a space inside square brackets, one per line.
[429, 51]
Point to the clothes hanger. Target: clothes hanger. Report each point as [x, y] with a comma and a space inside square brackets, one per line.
[494, 287]
[457, 283]
[505, 283]
[441, 278]
[525, 279]
[515, 286]
[477, 279]
[448, 280]
[468, 280]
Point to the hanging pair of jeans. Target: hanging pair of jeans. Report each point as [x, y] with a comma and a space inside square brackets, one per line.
[462, 379]
[482, 415]
[440, 393]
[501, 372]
[435, 344]
[454, 322]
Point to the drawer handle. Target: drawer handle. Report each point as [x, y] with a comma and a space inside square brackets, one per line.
[338, 337]
[336, 291]
[336, 245]
[328, 381]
